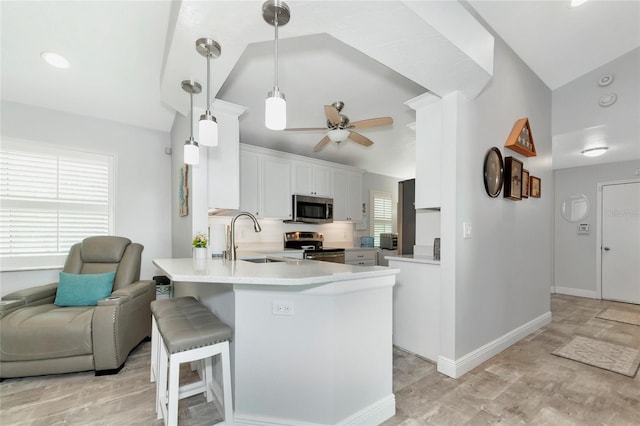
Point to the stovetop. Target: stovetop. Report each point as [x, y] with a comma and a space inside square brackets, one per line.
[310, 242]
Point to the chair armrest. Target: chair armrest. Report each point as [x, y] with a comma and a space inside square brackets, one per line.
[35, 295]
[120, 322]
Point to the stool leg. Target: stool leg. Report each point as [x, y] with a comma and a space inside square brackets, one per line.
[161, 383]
[174, 392]
[154, 349]
[226, 382]
[207, 377]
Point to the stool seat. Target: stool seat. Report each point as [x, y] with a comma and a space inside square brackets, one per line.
[188, 325]
[183, 330]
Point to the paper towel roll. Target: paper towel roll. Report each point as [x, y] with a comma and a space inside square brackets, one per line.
[218, 238]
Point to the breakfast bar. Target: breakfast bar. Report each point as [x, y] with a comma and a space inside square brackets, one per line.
[312, 341]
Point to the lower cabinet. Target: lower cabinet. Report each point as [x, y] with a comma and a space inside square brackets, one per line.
[416, 308]
[361, 257]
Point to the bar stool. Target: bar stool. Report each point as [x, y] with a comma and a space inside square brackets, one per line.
[186, 331]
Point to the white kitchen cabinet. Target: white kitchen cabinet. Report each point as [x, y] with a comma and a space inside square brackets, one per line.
[265, 185]
[311, 179]
[347, 195]
[363, 257]
[416, 308]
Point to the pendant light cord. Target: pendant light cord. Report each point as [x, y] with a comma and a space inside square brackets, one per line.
[208, 80]
[275, 44]
[191, 114]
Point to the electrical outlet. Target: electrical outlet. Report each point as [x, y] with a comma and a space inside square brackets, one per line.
[282, 308]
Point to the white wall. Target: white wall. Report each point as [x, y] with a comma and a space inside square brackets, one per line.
[575, 254]
[503, 272]
[142, 186]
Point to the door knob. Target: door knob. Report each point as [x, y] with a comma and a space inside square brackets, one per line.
[607, 249]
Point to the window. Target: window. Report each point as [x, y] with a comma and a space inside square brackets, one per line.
[381, 220]
[50, 199]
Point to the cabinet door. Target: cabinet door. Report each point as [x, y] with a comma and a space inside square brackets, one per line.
[276, 187]
[354, 204]
[249, 183]
[310, 179]
[340, 195]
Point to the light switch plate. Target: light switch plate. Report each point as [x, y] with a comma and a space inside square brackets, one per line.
[466, 230]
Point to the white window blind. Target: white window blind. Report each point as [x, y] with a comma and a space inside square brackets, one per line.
[51, 199]
[381, 220]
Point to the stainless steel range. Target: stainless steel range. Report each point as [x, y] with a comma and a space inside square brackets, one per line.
[311, 242]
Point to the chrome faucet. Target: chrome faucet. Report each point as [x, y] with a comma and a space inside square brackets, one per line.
[230, 254]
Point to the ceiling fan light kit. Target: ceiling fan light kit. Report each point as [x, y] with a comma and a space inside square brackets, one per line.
[208, 125]
[338, 135]
[191, 149]
[275, 13]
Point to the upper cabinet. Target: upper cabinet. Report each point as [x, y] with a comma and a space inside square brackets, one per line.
[265, 185]
[311, 179]
[347, 195]
[268, 179]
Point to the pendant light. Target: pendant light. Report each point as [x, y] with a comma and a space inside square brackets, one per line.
[275, 13]
[208, 126]
[191, 150]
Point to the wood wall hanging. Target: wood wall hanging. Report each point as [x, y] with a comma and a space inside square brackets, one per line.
[512, 178]
[521, 139]
[535, 187]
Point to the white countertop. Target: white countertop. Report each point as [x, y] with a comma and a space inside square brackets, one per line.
[414, 259]
[287, 273]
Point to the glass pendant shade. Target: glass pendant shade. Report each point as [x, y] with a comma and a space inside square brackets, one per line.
[191, 152]
[208, 130]
[338, 135]
[275, 111]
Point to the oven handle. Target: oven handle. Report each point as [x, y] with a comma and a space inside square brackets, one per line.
[323, 255]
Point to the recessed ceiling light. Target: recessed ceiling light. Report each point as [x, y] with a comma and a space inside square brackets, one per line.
[576, 3]
[605, 80]
[594, 152]
[608, 99]
[55, 60]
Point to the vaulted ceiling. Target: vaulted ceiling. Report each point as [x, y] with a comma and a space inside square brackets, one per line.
[122, 54]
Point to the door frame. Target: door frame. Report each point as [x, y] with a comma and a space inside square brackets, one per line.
[599, 230]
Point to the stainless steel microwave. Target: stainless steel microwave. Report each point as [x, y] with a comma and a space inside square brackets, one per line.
[309, 209]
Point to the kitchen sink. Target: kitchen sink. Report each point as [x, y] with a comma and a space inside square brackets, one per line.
[263, 260]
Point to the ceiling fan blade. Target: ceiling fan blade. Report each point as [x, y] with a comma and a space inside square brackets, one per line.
[321, 144]
[306, 129]
[358, 138]
[371, 122]
[332, 114]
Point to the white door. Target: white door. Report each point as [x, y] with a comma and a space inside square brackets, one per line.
[621, 242]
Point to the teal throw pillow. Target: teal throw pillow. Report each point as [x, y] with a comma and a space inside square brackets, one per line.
[83, 289]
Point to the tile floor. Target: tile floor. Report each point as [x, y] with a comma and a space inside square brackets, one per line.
[524, 385]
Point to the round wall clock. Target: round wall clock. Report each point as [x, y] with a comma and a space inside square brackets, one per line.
[493, 172]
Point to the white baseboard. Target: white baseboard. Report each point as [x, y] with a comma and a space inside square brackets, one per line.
[374, 414]
[570, 291]
[460, 366]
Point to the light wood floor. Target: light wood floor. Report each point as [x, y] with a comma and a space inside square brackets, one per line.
[523, 385]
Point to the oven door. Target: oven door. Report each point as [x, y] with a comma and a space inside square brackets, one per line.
[335, 257]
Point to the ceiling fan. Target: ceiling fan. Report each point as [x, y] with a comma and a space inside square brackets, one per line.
[339, 127]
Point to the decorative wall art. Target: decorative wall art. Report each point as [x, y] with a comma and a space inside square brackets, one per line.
[512, 178]
[521, 139]
[183, 191]
[493, 172]
[535, 186]
[525, 183]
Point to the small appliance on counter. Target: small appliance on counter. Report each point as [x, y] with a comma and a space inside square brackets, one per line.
[366, 241]
[436, 249]
[311, 242]
[389, 241]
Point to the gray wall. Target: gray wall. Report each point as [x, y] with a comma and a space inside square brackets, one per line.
[575, 254]
[504, 271]
[142, 173]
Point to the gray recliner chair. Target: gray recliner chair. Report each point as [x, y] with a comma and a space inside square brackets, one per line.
[38, 337]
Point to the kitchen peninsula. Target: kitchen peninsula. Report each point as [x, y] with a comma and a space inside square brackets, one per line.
[312, 341]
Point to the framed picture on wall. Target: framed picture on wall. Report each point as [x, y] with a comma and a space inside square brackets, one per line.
[512, 178]
[535, 185]
[525, 183]
[183, 191]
